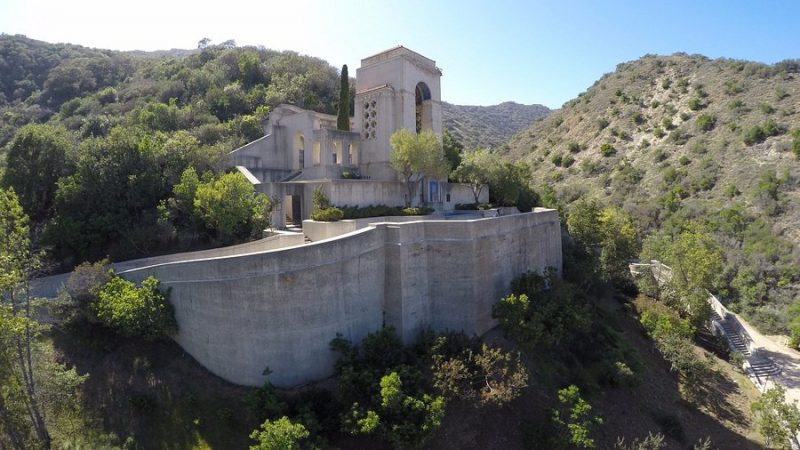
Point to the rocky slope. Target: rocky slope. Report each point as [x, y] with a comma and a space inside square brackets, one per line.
[678, 138]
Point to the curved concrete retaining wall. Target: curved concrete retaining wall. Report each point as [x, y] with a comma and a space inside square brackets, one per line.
[48, 287]
[281, 308]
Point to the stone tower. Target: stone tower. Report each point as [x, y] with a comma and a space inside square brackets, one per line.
[397, 88]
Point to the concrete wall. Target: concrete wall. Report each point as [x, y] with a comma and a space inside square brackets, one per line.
[280, 308]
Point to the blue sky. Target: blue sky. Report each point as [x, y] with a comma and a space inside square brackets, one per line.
[490, 51]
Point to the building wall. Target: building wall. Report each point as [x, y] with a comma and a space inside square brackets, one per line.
[281, 308]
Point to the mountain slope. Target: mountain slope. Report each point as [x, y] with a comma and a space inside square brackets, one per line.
[489, 126]
[677, 138]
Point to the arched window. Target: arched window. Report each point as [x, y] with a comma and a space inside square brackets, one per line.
[424, 115]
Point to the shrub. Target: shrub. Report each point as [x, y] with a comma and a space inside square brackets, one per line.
[705, 122]
[679, 137]
[658, 132]
[666, 122]
[567, 160]
[556, 160]
[759, 133]
[331, 214]
[280, 434]
[637, 118]
[607, 150]
[419, 211]
[696, 104]
[574, 147]
[144, 311]
[796, 143]
[535, 316]
[361, 212]
[602, 123]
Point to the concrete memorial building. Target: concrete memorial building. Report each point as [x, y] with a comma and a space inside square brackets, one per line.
[302, 149]
[278, 302]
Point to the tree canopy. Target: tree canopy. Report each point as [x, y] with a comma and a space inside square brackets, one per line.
[417, 155]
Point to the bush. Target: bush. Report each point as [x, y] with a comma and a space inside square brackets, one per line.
[144, 311]
[696, 104]
[331, 214]
[362, 212]
[607, 150]
[705, 122]
[574, 147]
[759, 133]
[658, 132]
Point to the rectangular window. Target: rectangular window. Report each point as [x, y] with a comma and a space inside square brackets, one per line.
[334, 158]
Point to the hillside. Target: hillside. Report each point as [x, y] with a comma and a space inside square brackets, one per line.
[489, 126]
[676, 138]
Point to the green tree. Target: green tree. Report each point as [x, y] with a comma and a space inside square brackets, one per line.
[509, 186]
[777, 420]
[606, 236]
[281, 434]
[110, 199]
[228, 206]
[18, 398]
[415, 156]
[343, 112]
[696, 262]
[542, 311]
[574, 418]
[407, 421]
[144, 311]
[476, 170]
[37, 157]
[453, 149]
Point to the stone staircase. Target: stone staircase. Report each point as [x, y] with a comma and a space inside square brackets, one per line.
[761, 366]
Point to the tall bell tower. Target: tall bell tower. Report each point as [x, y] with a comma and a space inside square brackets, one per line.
[397, 88]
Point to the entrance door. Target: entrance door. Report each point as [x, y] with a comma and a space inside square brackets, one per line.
[297, 211]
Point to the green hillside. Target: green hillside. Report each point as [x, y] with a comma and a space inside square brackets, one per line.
[489, 126]
[680, 138]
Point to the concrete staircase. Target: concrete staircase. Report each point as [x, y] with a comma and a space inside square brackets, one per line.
[761, 366]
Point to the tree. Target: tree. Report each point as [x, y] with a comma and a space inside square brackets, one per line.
[407, 421]
[228, 205]
[575, 417]
[281, 434]
[476, 170]
[778, 421]
[37, 157]
[343, 113]
[509, 186]
[417, 155]
[17, 329]
[489, 376]
[542, 311]
[144, 311]
[453, 149]
[696, 262]
[112, 195]
[606, 236]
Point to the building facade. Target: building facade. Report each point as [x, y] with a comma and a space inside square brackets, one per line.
[395, 89]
